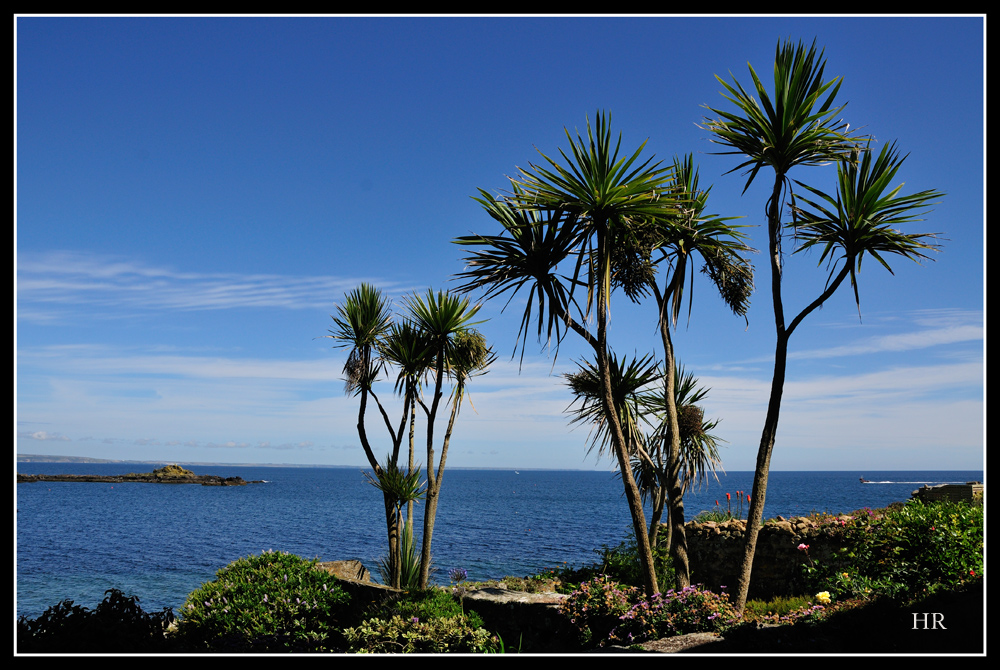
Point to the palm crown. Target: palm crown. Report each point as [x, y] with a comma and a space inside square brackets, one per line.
[862, 217]
[797, 127]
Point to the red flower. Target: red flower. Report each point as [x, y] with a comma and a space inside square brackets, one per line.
[727, 497]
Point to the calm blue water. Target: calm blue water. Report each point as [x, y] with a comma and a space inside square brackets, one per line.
[161, 542]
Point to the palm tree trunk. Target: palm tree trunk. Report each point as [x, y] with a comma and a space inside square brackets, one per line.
[433, 484]
[678, 538]
[392, 530]
[410, 465]
[659, 500]
[632, 494]
[675, 497]
[756, 511]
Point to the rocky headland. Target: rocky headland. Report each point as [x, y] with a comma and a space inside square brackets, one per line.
[168, 474]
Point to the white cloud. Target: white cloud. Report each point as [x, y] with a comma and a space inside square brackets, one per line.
[69, 280]
[43, 436]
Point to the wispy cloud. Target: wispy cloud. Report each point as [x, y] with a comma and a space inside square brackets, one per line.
[916, 330]
[123, 286]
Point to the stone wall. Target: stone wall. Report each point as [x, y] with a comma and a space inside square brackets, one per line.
[715, 551]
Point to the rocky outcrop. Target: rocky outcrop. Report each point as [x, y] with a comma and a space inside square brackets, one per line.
[169, 474]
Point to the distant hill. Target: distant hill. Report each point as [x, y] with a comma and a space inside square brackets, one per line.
[39, 458]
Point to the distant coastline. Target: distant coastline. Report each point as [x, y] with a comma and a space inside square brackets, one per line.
[43, 458]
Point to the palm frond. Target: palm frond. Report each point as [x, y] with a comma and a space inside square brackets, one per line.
[863, 217]
[525, 256]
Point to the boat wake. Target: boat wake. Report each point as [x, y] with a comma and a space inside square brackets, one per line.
[932, 483]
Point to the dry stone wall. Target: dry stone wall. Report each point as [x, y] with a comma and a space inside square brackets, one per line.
[715, 550]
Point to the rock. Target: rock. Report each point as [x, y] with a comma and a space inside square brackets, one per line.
[353, 570]
[169, 474]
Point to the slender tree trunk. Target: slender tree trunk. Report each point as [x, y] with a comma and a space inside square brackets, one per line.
[430, 509]
[675, 497]
[678, 538]
[392, 529]
[756, 511]
[659, 501]
[632, 494]
[411, 465]
[678, 545]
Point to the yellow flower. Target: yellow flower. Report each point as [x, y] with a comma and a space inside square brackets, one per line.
[846, 576]
[823, 597]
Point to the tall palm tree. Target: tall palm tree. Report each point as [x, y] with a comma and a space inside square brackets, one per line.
[436, 342]
[457, 351]
[360, 324]
[798, 126]
[408, 350]
[720, 245]
[579, 209]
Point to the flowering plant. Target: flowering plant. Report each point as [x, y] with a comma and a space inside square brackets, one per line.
[608, 613]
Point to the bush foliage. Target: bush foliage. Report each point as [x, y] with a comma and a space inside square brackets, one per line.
[272, 602]
[117, 625]
[901, 551]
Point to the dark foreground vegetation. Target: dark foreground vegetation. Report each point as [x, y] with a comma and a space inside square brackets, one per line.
[909, 580]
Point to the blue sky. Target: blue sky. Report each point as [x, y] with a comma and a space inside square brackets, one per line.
[194, 196]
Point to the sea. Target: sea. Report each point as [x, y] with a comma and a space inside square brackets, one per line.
[74, 541]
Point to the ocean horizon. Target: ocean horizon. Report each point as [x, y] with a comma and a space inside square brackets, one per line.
[76, 540]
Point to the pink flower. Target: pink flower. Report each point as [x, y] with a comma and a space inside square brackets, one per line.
[803, 547]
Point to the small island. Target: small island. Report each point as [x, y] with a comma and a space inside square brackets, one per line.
[168, 474]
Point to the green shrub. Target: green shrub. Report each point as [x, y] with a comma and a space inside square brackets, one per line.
[900, 551]
[118, 625]
[426, 606]
[269, 603]
[622, 563]
[399, 634]
[717, 515]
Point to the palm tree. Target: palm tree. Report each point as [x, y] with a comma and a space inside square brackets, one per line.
[435, 342]
[798, 126]
[581, 210]
[398, 488]
[699, 448]
[361, 322]
[720, 245]
[457, 351]
[407, 349]
[640, 403]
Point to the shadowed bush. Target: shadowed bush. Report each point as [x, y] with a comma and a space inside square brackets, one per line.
[118, 625]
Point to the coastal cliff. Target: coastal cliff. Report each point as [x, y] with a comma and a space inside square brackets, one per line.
[168, 474]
